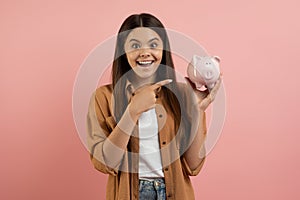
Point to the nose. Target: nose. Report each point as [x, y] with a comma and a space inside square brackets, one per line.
[144, 54]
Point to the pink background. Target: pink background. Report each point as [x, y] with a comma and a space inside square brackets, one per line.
[43, 43]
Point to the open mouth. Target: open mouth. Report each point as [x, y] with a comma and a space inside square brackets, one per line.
[145, 63]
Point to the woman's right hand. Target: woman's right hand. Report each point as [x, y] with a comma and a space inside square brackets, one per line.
[144, 98]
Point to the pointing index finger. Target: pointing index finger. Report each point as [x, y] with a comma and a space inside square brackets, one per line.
[161, 83]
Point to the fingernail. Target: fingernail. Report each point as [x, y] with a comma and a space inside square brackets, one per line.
[169, 80]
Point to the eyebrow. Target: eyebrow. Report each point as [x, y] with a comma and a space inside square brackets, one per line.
[153, 39]
[135, 40]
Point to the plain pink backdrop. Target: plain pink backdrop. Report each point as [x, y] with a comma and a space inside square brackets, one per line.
[43, 43]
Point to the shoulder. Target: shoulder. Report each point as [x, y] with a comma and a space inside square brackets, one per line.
[105, 90]
[103, 94]
[188, 95]
[184, 88]
[102, 97]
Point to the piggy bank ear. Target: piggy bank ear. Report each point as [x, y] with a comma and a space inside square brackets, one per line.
[196, 58]
[217, 58]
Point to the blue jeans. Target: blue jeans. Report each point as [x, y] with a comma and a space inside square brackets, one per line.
[152, 190]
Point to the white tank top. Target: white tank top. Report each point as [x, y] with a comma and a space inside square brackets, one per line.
[149, 154]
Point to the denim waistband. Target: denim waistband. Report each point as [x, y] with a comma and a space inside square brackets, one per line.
[156, 182]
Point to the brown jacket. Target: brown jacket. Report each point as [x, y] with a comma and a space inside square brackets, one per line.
[123, 182]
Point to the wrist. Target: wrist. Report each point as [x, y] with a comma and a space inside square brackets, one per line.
[127, 122]
[134, 113]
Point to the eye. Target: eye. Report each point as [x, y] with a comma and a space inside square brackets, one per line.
[153, 45]
[135, 46]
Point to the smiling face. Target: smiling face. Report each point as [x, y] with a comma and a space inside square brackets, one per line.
[144, 51]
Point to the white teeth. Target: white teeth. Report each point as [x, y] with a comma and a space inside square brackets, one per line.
[144, 62]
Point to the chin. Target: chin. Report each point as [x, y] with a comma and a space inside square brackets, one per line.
[146, 72]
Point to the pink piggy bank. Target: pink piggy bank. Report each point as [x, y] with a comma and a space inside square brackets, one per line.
[204, 71]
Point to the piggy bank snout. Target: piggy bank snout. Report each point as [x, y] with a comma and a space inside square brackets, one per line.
[209, 74]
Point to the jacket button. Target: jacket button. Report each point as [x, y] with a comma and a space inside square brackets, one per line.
[163, 142]
[160, 115]
[166, 169]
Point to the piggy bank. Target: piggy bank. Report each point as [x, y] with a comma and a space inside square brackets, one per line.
[204, 71]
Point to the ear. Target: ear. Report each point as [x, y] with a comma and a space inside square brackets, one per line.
[197, 57]
[217, 58]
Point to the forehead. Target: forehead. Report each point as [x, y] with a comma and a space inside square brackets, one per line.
[142, 34]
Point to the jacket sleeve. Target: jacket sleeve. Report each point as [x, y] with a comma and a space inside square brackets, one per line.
[202, 154]
[188, 170]
[194, 124]
[99, 126]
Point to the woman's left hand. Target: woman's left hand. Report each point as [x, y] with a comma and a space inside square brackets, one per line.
[205, 98]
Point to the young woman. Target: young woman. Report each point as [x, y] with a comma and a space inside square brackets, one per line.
[146, 130]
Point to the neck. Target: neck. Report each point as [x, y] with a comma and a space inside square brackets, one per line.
[138, 81]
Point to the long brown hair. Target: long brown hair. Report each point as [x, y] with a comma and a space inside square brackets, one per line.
[121, 66]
